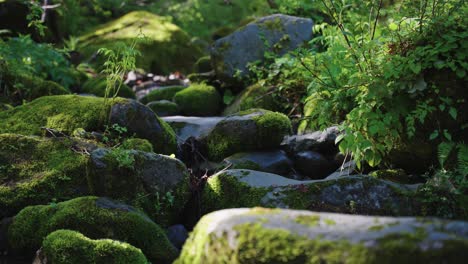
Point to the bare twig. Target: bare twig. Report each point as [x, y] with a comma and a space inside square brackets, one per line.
[376, 19]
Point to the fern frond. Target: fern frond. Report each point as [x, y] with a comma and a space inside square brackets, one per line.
[443, 151]
[462, 159]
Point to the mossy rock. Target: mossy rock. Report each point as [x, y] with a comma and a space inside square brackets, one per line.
[97, 86]
[157, 184]
[163, 93]
[67, 246]
[198, 100]
[37, 170]
[255, 96]
[27, 88]
[394, 175]
[166, 47]
[352, 194]
[276, 34]
[94, 217]
[137, 144]
[4, 107]
[251, 130]
[69, 112]
[164, 108]
[203, 65]
[260, 235]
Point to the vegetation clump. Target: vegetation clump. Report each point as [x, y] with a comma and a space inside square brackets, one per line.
[67, 246]
[163, 93]
[254, 129]
[94, 217]
[98, 85]
[198, 100]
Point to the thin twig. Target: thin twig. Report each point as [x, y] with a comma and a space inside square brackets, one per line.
[376, 19]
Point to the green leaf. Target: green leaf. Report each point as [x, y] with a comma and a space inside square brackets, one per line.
[434, 135]
[453, 112]
[393, 26]
[228, 97]
[447, 135]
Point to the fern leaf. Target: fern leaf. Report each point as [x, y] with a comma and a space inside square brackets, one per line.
[443, 152]
[462, 159]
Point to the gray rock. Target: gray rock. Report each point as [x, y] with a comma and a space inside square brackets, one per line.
[164, 108]
[274, 161]
[186, 126]
[277, 33]
[143, 122]
[177, 234]
[352, 194]
[290, 236]
[320, 141]
[313, 164]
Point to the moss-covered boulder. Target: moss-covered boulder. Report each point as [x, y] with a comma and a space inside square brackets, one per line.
[157, 184]
[37, 170]
[203, 64]
[165, 48]
[276, 33]
[137, 144]
[199, 100]
[97, 86]
[286, 236]
[255, 129]
[94, 217]
[164, 108]
[69, 112]
[352, 194]
[67, 246]
[162, 93]
[255, 96]
[16, 88]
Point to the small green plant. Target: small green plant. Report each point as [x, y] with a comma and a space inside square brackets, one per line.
[123, 158]
[114, 135]
[167, 200]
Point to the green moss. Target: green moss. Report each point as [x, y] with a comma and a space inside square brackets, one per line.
[256, 243]
[93, 220]
[164, 108]
[69, 112]
[28, 88]
[63, 113]
[203, 65]
[166, 47]
[255, 96]
[222, 186]
[38, 170]
[232, 136]
[199, 100]
[273, 25]
[308, 220]
[272, 127]
[67, 246]
[97, 86]
[395, 175]
[163, 93]
[4, 107]
[137, 144]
